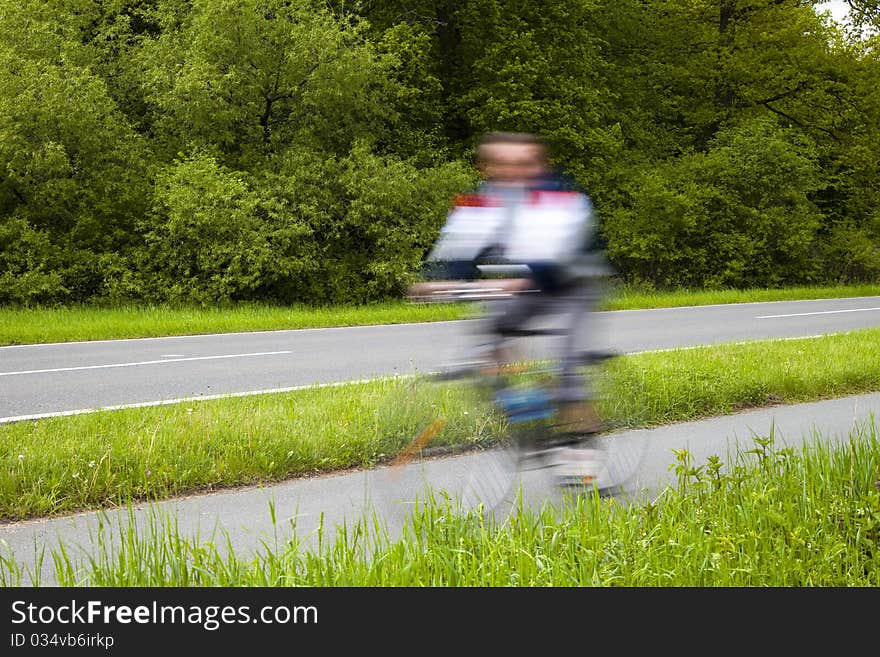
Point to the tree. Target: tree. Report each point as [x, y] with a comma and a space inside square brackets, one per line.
[72, 171]
[248, 78]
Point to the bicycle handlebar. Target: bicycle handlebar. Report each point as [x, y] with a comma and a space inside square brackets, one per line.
[479, 290]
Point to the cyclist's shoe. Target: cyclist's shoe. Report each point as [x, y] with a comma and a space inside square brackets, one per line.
[582, 467]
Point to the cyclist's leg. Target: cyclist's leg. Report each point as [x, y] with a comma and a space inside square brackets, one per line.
[507, 316]
[485, 343]
[573, 304]
[575, 394]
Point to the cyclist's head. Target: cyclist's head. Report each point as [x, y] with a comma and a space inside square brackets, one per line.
[511, 158]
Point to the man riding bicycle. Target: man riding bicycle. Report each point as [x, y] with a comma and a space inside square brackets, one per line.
[527, 223]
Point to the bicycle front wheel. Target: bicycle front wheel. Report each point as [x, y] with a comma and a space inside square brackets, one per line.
[478, 480]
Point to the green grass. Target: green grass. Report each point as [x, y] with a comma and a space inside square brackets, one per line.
[78, 323]
[806, 517]
[632, 299]
[109, 458]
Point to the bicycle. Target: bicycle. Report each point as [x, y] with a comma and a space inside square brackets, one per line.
[532, 459]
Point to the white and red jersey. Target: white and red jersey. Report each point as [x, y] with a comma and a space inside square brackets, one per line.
[545, 227]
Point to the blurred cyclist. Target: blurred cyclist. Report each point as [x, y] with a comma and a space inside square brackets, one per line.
[528, 223]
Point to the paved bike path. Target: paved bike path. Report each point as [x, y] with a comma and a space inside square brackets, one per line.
[320, 506]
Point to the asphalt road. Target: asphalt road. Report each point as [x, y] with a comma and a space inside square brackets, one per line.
[52, 379]
[55, 379]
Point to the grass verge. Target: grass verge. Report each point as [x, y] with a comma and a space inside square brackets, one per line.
[632, 299]
[773, 517]
[109, 458]
[80, 323]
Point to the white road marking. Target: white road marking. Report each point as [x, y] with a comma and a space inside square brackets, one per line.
[691, 347]
[819, 312]
[143, 362]
[180, 400]
[334, 384]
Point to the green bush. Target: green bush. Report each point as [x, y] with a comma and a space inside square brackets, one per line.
[314, 229]
[739, 215]
[27, 265]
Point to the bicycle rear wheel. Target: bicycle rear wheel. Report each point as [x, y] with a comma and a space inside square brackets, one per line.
[477, 480]
[443, 458]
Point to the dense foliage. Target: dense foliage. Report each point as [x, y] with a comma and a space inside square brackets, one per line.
[303, 151]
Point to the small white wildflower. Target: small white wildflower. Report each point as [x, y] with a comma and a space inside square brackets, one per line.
[21, 457]
[91, 464]
[75, 475]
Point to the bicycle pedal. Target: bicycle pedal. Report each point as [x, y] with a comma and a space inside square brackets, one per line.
[584, 483]
[538, 458]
